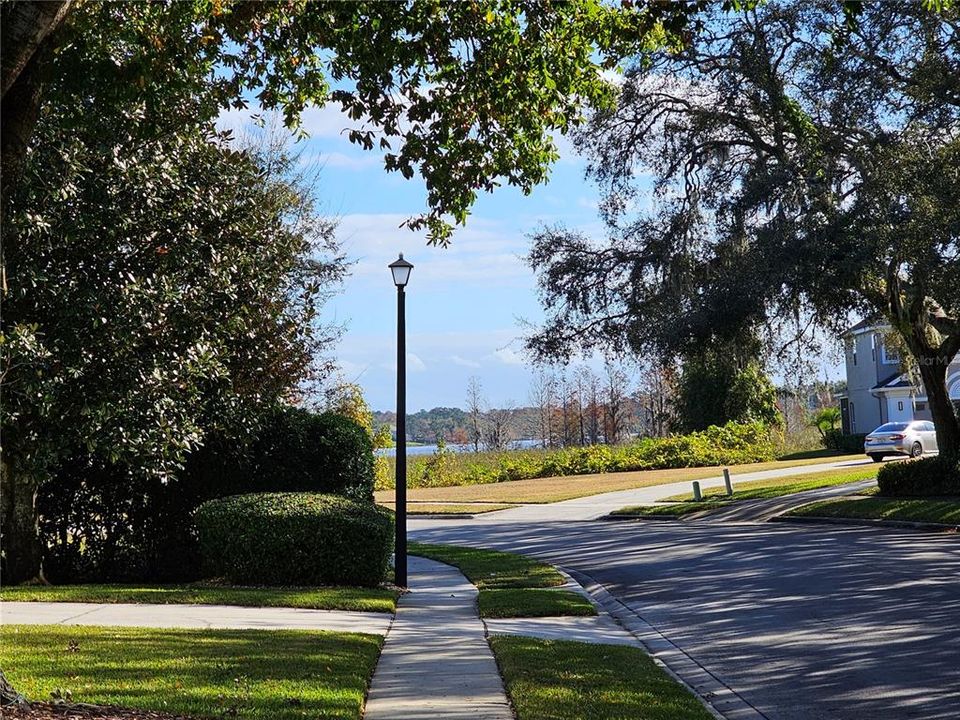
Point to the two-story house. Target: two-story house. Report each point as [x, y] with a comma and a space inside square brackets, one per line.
[877, 389]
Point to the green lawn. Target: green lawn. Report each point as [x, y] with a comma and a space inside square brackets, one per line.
[421, 508]
[510, 585]
[562, 680]
[532, 602]
[317, 598]
[775, 487]
[275, 674]
[935, 510]
[668, 511]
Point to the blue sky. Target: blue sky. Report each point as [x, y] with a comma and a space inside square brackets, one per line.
[464, 302]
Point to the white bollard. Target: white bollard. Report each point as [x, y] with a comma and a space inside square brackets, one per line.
[726, 481]
[696, 492]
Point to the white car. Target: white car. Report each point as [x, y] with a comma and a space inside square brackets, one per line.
[912, 438]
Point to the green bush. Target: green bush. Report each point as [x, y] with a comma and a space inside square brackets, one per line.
[302, 451]
[295, 539]
[731, 444]
[836, 439]
[931, 476]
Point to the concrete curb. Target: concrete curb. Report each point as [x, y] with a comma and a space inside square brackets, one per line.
[717, 697]
[867, 522]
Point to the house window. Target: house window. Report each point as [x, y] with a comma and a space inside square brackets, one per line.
[873, 348]
[853, 413]
[853, 350]
[900, 406]
[920, 406]
[889, 355]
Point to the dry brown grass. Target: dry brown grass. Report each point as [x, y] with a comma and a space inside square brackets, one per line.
[555, 489]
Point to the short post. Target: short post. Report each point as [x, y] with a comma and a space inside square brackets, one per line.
[726, 481]
[697, 497]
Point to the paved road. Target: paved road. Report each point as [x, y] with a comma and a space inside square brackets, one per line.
[805, 623]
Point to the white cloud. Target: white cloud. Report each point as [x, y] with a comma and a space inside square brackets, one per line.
[483, 253]
[415, 364]
[508, 356]
[457, 360]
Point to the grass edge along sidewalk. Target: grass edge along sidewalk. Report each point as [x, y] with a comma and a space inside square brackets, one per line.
[381, 599]
[255, 674]
[509, 585]
[609, 681]
[938, 511]
[716, 498]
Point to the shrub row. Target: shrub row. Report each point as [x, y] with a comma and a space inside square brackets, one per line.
[930, 476]
[835, 439]
[731, 444]
[295, 539]
[107, 522]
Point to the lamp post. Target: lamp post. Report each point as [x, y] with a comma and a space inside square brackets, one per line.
[401, 273]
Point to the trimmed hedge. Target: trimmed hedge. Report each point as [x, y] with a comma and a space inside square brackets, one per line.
[836, 439]
[926, 477]
[295, 539]
[301, 451]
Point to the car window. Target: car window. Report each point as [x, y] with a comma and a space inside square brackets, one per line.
[891, 427]
[929, 427]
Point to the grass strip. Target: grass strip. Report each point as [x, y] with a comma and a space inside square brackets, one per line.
[419, 508]
[316, 598]
[776, 487]
[492, 569]
[533, 602]
[275, 674]
[933, 510]
[510, 585]
[555, 489]
[563, 680]
[667, 511]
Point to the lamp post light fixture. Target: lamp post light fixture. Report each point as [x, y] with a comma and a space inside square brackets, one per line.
[401, 274]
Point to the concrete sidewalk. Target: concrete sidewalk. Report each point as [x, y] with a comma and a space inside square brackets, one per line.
[226, 617]
[436, 662]
[593, 507]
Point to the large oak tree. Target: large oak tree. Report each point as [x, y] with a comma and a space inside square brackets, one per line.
[799, 168]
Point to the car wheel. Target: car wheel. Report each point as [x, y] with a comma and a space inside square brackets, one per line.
[876, 458]
[916, 450]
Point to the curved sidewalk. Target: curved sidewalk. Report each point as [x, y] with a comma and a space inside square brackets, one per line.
[436, 662]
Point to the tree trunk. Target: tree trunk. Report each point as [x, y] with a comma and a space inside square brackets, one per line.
[20, 529]
[9, 695]
[933, 372]
[25, 25]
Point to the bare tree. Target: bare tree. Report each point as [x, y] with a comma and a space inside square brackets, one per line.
[543, 400]
[499, 427]
[655, 397]
[475, 405]
[615, 392]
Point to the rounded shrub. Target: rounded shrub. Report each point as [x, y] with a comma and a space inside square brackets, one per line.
[295, 539]
[931, 476]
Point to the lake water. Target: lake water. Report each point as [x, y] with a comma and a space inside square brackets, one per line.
[431, 449]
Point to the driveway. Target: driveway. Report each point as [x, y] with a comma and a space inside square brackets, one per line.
[803, 623]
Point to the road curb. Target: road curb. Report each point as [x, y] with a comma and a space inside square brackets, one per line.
[867, 522]
[716, 696]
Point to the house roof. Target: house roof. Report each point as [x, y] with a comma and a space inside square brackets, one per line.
[897, 380]
[863, 326]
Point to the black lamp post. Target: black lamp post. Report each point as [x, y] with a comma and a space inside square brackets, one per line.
[401, 273]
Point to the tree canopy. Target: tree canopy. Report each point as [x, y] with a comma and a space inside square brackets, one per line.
[468, 95]
[796, 172]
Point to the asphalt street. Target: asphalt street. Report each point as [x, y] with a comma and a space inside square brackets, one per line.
[803, 622]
